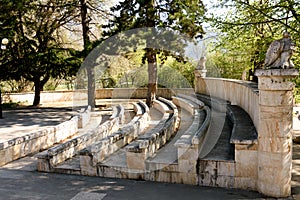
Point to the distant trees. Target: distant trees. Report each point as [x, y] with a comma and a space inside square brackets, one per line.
[35, 51]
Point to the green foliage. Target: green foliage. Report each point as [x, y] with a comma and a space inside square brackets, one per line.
[34, 51]
[247, 30]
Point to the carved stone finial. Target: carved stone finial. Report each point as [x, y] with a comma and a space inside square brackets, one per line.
[201, 63]
[279, 53]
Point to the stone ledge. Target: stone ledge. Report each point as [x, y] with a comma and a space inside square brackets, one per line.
[213, 102]
[277, 72]
[147, 144]
[106, 146]
[243, 131]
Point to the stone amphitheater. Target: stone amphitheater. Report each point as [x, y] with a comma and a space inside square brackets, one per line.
[224, 133]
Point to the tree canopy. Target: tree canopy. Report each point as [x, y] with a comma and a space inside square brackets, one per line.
[35, 51]
[246, 30]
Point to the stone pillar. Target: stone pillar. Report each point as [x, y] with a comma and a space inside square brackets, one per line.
[274, 131]
[200, 74]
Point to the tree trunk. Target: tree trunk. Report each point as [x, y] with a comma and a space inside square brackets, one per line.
[91, 87]
[86, 43]
[37, 92]
[152, 77]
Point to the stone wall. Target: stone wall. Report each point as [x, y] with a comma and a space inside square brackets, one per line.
[81, 95]
[241, 93]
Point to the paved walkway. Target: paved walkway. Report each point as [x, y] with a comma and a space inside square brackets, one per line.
[20, 122]
[25, 183]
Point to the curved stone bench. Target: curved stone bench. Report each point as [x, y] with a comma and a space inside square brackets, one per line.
[189, 144]
[37, 141]
[49, 159]
[147, 144]
[243, 131]
[97, 152]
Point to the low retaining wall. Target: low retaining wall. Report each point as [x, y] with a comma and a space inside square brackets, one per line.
[36, 141]
[109, 93]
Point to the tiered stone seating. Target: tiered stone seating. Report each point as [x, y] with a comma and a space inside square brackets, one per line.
[204, 151]
[97, 152]
[218, 165]
[148, 143]
[36, 141]
[48, 160]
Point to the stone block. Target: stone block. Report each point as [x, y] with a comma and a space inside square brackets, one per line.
[187, 166]
[43, 165]
[277, 98]
[275, 128]
[225, 181]
[225, 168]
[274, 160]
[275, 175]
[208, 173]
[17, 151]
[276, 190]
[166, 167]
[276, 144]
[250, 147]
[277, 113]
[136, 160]
[190, 153]
[161, 176]
[86, 166]
[245, 183]
[206, 179]
[246, 163]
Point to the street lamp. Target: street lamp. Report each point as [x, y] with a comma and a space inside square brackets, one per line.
[4, 42]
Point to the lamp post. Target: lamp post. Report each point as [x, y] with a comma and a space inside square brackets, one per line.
[4, 42]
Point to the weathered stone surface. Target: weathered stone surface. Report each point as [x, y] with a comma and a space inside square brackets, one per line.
[86, 166]
[278, 98]
[136, 160]
[245, 183]
[226, 168]
[276, 144]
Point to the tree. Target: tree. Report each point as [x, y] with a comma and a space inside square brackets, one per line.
[34, 51]
[182, 17]
[248, 28]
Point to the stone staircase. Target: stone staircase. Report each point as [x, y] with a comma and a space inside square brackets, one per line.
[189, 140]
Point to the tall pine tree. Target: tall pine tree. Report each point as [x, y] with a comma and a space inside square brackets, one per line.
[181, 16]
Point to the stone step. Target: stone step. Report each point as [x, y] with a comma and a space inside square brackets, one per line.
[168, 154]
[223, 150]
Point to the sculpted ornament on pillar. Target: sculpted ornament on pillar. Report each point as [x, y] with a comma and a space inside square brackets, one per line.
[200, 70]
[279, 53]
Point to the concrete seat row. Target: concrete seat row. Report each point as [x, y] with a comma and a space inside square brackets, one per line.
[97, 152]
[39, 140]
[54, 156]
[152, 140]
[190, 142]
